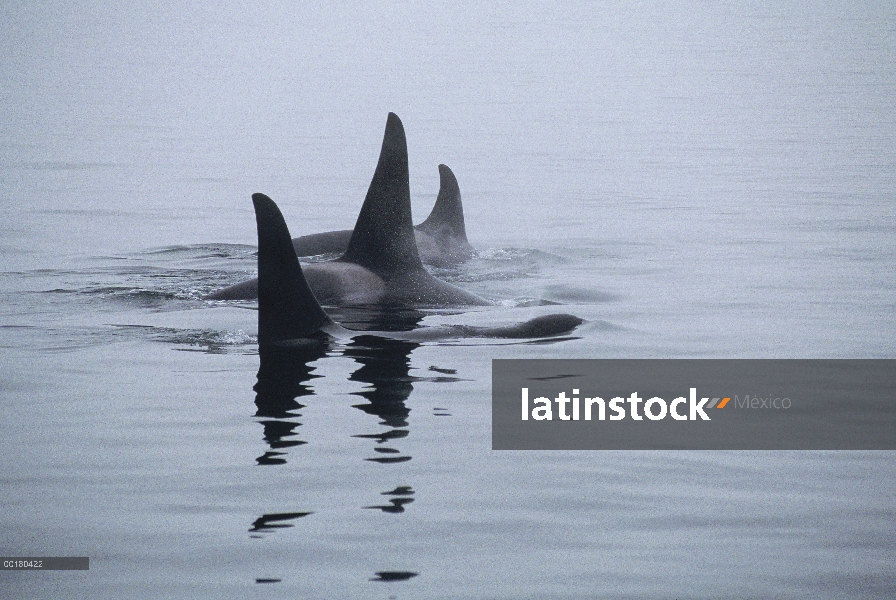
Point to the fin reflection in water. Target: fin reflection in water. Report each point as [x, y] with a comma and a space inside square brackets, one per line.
[385, 365]
[283, 375]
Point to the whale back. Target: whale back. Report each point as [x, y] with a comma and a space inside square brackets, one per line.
[290, 317]
[287, 309]
[447, 216]
[383, 238]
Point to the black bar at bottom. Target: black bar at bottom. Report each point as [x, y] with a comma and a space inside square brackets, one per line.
[44, 563]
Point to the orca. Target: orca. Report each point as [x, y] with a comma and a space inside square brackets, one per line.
[381, 264]
[441, 238]
[289, 315]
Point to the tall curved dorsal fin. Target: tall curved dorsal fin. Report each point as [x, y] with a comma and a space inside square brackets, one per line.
[287, 309]
[447, 216]
[383, 238]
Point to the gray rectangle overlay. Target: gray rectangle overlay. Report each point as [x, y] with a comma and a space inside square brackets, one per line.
[44, 563]
[772, 404]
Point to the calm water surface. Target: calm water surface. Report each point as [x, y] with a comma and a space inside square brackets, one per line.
[694, 181]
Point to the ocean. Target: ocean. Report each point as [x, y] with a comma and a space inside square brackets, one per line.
[693, 180]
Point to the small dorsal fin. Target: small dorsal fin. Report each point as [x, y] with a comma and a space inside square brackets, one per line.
[287, 309]
[383, 238]
[447, 216]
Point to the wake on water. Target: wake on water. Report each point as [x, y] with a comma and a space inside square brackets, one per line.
[115, 297]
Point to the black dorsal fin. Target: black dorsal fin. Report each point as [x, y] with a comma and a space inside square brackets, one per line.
[447, 216]
[383, 238]
[287, 309]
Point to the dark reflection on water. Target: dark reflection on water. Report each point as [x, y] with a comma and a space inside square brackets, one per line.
[372, 318]
[282, 378]
[394, 575]
[283, 375]
[382, 438]
[385, 365]
[396, 504]
[272, 522]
